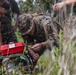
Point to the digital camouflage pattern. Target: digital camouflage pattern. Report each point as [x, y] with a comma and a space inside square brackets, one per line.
[8, 34]
[45, 28]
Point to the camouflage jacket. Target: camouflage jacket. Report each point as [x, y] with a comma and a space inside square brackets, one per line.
[45, 30]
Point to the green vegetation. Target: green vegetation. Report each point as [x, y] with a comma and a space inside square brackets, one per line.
[32, 6]
[58, 62]
[19, 36]
[61, 61]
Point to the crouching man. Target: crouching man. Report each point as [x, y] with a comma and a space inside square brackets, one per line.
[39, 32]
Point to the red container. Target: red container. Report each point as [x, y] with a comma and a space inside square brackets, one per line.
[12, 48]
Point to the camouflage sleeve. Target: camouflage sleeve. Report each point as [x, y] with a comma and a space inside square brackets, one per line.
[51, 32]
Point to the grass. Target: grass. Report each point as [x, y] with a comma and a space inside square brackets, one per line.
[19, 36]
[61, 61]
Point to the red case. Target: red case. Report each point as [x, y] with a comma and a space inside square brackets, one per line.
[12, 48]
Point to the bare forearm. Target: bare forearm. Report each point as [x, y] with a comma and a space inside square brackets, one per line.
[67, 2]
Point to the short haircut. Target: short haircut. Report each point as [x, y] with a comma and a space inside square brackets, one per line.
[5, 4]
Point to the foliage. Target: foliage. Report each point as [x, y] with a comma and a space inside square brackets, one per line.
[26, 6]
[35, 6]
[57, 62]
[62, 61]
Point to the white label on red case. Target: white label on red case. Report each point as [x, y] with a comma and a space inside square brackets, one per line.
[11, 45]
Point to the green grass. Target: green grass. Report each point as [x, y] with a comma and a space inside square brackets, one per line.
[18, 36]
[59, 62]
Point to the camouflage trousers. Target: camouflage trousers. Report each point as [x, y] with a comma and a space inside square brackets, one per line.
[8, 34]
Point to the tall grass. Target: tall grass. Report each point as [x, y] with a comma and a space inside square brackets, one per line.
[62, 61]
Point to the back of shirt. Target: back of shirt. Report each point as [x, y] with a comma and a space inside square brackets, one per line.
[50, 27]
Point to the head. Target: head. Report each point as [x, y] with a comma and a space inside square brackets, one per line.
[4, 7]
[26, 24]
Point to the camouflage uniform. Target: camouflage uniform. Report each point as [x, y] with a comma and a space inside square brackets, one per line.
[45, 30]
[8, 34]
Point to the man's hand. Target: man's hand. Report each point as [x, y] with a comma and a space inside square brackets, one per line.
[36, 47]
[35, 56]
[59, 6]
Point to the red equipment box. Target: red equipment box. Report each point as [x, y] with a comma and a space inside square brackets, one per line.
[12, 48]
